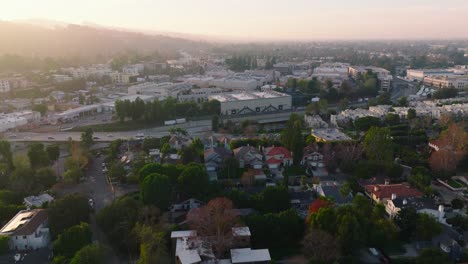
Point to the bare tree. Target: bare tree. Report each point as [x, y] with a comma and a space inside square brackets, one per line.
[215, 221]
[450, 148]
[320, 246]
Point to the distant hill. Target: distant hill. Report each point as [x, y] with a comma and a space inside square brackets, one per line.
[86, 41]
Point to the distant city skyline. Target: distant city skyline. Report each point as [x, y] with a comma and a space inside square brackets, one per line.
[260, 19]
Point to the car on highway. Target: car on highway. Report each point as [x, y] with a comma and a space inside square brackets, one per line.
[110, 135]
[13, 136]
[50, 138]
[95, 138]
[27, 138]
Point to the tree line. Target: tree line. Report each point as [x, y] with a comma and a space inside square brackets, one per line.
[159, 112]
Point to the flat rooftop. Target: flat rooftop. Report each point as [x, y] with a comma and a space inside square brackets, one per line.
[248, 255]
[330, 134]
[248, 96]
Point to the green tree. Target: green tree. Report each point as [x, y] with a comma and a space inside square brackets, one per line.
[365, 123]
[73, 175]
[392, 119]
[457, 203]
[66, 212]
[90, 254]
[6, 156]
[432, 256]
[72, 239]
[407, 220]
[193, 180]
[282, 230]
[117, 221]
[4, 247]
[22, 178]
[427, 227]
[53, 152]
[403, 101]
[411, 114]
[41, 108]
[153, 247]
[37, 155]
[117, 172]
[291, 137]
[87, 138]
[45, 178]
[378, 144]
[156, 189]
[273, 199]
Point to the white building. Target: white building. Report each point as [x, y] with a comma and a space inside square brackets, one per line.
[198, 95]
[4, 86]
[419, 74]
[160, 90]
[58, 78]
[456, 81]
[244, 83]
[253, 102]
[28, 230]
[336, 72]
[18, 119]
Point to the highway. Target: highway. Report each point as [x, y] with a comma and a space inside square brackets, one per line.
[200, 128]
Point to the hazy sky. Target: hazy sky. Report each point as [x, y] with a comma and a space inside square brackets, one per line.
[260, 19]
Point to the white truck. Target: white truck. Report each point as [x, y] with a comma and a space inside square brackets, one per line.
[170, 122]
[181, 120]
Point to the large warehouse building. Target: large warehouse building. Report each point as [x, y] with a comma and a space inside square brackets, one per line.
[253, 102]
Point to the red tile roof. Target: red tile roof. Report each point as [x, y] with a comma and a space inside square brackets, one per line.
[273, 161]
[273, 151]
[386, 191]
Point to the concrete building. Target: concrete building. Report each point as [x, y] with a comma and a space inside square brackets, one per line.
[28, 230]
[123, 78]
[329, 134]
[336, 72]
[159, 90]
[456, 81]
[283, 68]
[18, 119]
[253, 102]
[198, 95]
[4, 86]
[383, 76]
[419, 74]
[237, 82]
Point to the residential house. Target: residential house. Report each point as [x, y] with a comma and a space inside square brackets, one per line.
[312, 159]
[382, 193]
[37, 201]
[276, 158]
[331, 189]
[422, 205]
[250, 157]
[179, 211]
[191, 248]
[214, 158]
[179, 141]
[28, 230]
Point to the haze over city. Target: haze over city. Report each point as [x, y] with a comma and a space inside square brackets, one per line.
[295, 20]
